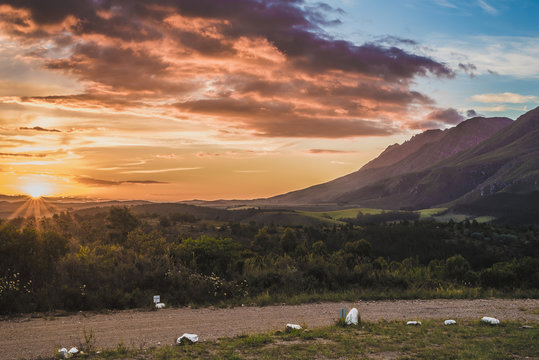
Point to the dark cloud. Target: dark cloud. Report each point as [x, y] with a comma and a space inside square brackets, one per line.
[119, 68]
[100, 183]
[395, 40]
[90, 100]
[442, 117]
[471, 113]
[54, 11]
[245, 107]
[492, 72]
[39, 128]
[23, 155]
[280, 119]
[362, 90]
[468, 69]
[204, 45]
[293, 28]
[329, 151]
[144, 182]
[203, 56]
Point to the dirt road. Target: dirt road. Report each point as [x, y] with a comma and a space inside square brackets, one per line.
[29, 337]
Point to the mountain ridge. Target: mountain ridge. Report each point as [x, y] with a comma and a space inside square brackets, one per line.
[419, 152]
[507, 161]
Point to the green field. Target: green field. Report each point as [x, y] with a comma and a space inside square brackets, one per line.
[429, 213]
[334, 217]
[380, 340]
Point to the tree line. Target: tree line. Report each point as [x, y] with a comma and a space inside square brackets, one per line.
[117, 260]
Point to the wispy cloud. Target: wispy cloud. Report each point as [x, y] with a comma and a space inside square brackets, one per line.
[155, 171]
[39, 128]
[22, 155]
[329, 151]
[486, 7]
[506, 97]
[445, 3]
[494, 55]
[100, 182]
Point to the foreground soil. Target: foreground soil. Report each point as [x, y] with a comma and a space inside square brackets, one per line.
[31, 337]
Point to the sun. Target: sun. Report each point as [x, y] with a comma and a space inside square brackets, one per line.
[37, 190]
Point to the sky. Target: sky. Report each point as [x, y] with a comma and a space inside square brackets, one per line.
[174, 100]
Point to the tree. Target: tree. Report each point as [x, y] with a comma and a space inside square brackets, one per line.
[210, 255]
[456, 268]
[289, 240]
[360, 248]
[120, 221]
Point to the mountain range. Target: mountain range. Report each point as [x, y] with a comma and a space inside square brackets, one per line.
[479, 158]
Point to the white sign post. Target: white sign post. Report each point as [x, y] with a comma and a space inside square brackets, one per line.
[156, 299]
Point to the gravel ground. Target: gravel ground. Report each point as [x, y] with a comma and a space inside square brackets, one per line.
[30, 337]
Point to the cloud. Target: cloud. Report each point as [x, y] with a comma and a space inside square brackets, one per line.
[39, 128]
[514, 56]
[498, 108]
[104, 183]
[144, 182]
[396, 40]
[445, 3]
[440, 118]
[266, 67]
[329, 151]
[486, 7]
[155, 171]
[22, 155]
[284, 119]
[471, 113]
[468, 69]
[446, 116]
[506, 97]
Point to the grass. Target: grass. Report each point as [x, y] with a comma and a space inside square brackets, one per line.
[382, 294]
[335, 217]
[429, 213]
[432, 340]
[439, 214]
[484, 219]
[454, 217]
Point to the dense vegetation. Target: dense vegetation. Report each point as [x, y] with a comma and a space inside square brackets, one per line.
[115, 259]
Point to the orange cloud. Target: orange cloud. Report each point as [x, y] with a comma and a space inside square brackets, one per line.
[201, 81]
[131, 54]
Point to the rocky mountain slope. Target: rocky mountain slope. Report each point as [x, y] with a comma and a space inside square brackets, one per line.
[420, 152]
[507, 161]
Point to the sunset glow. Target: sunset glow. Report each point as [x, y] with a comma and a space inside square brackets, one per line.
[36, 190]
[194, 100]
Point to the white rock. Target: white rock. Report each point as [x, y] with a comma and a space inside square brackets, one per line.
[63, 352]
[160, 305]
[73, 350]
[293, 326]
[413, 323]
[190, 337]
[352, 317]
[490, 320]
[450, 322]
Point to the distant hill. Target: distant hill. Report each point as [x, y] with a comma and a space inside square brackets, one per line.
[420, 152]
[506, 162]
